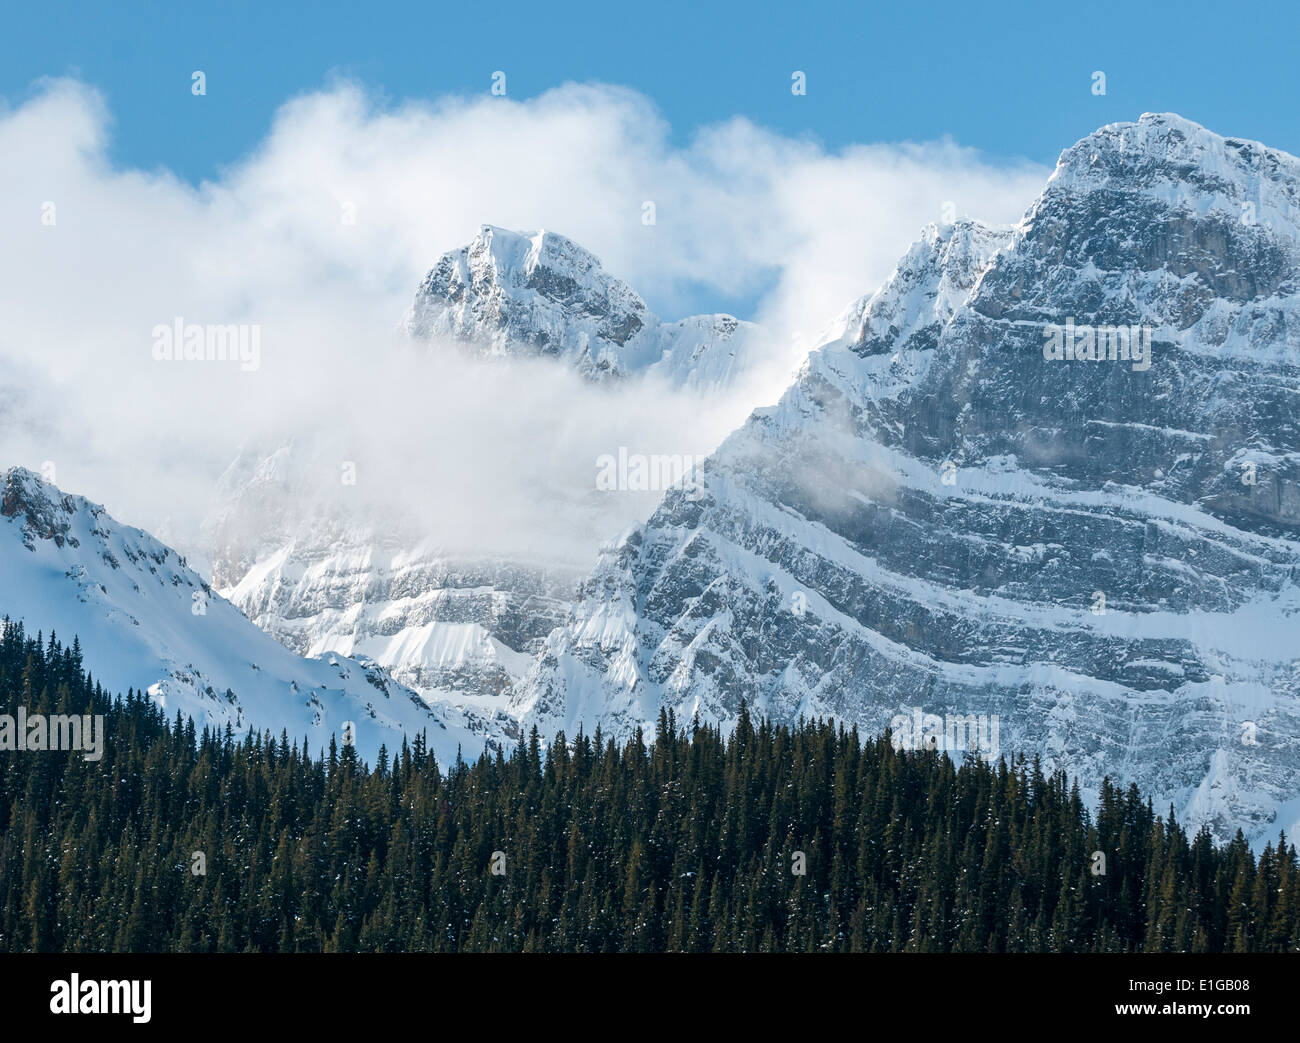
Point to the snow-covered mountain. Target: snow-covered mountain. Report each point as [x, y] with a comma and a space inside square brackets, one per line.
[937, 514]
[538, 293]
[145, 620]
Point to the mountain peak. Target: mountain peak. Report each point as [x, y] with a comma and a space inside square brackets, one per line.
[539, 293]
[1176, 162]
[926, 286]
[45, 511]
[546, 262]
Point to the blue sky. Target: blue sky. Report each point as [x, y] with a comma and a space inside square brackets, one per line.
[1013, 79]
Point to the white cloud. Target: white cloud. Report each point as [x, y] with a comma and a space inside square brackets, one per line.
[740, 211]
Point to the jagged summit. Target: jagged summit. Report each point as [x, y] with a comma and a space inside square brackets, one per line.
[541, 294]
[1158, 145]
[926, 286]
[501, 267]
[1236, 190]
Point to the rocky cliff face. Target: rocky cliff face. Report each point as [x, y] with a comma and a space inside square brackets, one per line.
[940, 513]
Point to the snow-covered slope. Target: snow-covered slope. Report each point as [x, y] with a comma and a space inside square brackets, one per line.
[538, 293]
[147, 621]
[936, 515]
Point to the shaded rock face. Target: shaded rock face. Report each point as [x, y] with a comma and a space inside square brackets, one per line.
[45, 515]
[937, 515]
[540, 294]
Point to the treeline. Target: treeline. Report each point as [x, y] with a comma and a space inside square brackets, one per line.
[772, 839]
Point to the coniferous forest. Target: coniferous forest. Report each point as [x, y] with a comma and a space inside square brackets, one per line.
[770, 839]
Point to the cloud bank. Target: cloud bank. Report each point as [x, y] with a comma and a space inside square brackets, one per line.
[319, 237]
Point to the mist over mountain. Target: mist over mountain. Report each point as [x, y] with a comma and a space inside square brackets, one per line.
[323, 565]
